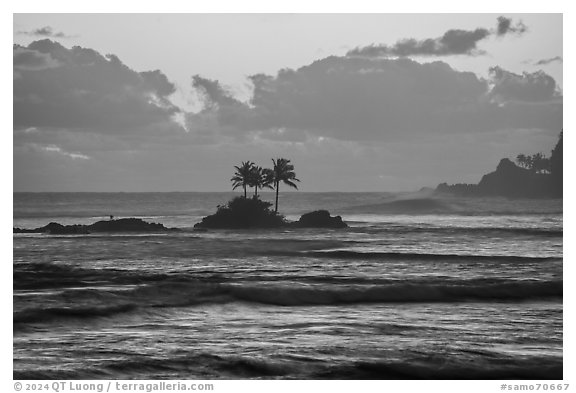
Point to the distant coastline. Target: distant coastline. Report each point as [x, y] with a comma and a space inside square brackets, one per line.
[538, 177]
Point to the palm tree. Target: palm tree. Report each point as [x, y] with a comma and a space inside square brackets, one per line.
[259, 178]
[283, 171]
[242, 176]
[540, 163]
[521, 160]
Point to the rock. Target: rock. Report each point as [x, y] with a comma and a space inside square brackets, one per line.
[508, 180]
[58, 229]
[320, 219]
[55, 228]
[252, 213]
[111, 226]
[242, 213]
[126, 225]
[21, 230]
[511, 181]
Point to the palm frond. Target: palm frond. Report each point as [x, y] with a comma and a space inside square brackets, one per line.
[291, 184]
[242, 175]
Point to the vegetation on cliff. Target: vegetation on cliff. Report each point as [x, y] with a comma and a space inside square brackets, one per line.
[536, 176]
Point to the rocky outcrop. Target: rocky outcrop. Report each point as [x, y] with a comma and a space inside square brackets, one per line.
[512, 181]
[252, 213]
[110, 226]
[319, 219]
[55, 228]
[508, 180]
[127, 225]
[242, 213]
[540, 178]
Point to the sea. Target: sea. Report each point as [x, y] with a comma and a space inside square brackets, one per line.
[418, 287]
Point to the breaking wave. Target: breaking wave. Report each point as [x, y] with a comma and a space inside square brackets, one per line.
[186, 294]
[350, 254]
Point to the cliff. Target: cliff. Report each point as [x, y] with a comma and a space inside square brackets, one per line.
[510, 180]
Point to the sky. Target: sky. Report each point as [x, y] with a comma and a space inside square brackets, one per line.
[357, 102]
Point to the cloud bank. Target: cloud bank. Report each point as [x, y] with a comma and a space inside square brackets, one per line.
[78, 88]
[528, 87]
[453, 42]
[85, 121]
[366, 99]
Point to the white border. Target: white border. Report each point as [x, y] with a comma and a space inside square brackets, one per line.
[489, 6]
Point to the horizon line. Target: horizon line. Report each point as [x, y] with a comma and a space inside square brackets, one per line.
[211, 192]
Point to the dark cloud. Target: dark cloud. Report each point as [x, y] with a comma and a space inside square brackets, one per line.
[505, 27]
[26, 59]
[528, 87]
[45, 31]
[453, 42]
[78, 88]
[558, 59]
[213, 93]
[158, 82]
[361, 99]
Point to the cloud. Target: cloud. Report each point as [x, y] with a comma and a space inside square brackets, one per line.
[78, 88]
[528, 87]
[453, 42]
[58, 150]
[558, 59]
[26, 59]
[505, 27]
[222, 112]
[45, 31]
[375, 99]
[213, 92]
[85, 121]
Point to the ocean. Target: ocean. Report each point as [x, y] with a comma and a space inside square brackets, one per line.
[418, 287]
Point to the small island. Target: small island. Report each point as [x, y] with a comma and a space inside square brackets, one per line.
[533, 176]
[252, 213]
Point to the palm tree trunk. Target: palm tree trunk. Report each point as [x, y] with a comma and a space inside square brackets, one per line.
[244, 191]
[256, 192]
[277, 187]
